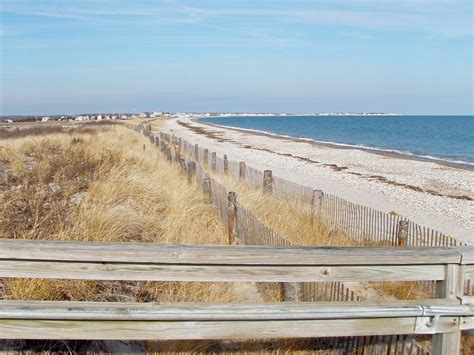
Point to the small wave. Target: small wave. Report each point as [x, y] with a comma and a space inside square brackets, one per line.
[346, 145]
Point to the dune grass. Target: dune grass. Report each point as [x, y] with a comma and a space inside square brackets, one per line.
[101, 185]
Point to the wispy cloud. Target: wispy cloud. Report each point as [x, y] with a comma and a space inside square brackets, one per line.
[410, 15]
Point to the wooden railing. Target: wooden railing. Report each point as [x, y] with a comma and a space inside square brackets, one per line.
[444, 317]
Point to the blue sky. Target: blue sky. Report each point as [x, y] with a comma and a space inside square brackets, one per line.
[405, 56]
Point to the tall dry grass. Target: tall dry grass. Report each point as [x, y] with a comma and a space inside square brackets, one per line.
[101, 185]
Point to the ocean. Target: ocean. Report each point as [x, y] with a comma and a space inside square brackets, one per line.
[449, 138]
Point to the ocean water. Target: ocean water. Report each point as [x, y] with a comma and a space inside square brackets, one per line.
[448, 138]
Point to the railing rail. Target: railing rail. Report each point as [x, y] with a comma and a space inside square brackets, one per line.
[444, 317]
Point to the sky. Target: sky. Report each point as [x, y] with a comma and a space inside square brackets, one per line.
[401, 56]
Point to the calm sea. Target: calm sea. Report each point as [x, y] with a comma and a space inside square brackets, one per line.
[443, 137]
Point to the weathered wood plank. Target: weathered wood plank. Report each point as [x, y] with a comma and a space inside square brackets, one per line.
[61, 310]
[237, 254]
[180, 272]
[176, 330]
[467, 323]
[469, 270]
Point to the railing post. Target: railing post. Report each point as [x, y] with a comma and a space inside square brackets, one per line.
[226, 166]
[206, 189]
[213, 162]
[242, 171]
[316, 204]
[191, 171]
[196, 152]
[231, 216]
[452, 287]
[206, 156]
[402, 233]
[267, 182]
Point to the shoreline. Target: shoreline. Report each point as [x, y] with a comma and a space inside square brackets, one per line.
[434, 195]
[379, 151]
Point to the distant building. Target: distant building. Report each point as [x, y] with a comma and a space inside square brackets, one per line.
[45, 119]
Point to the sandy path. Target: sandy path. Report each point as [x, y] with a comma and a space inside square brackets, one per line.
[433, 195]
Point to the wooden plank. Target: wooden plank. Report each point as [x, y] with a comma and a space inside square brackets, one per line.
[467, 323]
[62, 310]
[469, 272]
[176, 330]
[180, 272]
[225, 255]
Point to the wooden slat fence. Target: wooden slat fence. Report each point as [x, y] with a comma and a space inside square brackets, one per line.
[356, 220]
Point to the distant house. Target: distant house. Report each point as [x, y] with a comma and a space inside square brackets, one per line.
[99, 118]
[45, 119]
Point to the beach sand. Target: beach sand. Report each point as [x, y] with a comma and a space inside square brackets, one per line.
[433, 194]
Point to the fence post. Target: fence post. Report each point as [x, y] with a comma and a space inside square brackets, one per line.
[452, 287]
[231, 216]
[316, 204]
[402, 233]
[213, 162]
[206, 156]
[226, 166]
[196, 152]
[157, 141]
[168, 154]
[177, 152]
[206, 189]
[191, 171]
[267, 182]
[292, 291]
[182, 163]
[242, 171]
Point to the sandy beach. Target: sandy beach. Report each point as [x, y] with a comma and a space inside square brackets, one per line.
[436, 195]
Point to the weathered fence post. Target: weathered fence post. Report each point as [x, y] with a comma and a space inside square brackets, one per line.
[226, 166]
[182, 163]
[402, 233]
[242, 171]
[191, 171]
[157, 141]
[169, 156]
[144, 147]
[177, 152]
[231, 216]
[3, 175]
[292, 291]
[452, 288]
[316, 204]
[196, 152]
[206, 157]
[206, 189]
[267, 182]
[213, 162]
